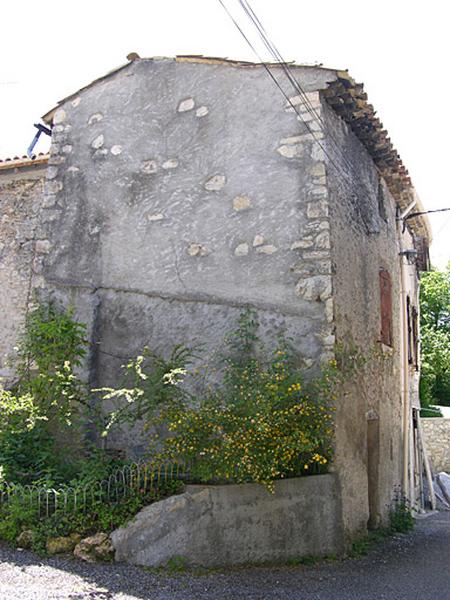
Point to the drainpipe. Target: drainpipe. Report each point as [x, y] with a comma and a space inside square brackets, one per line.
[404, 367]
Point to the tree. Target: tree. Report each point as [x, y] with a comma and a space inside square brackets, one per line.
[435, 337]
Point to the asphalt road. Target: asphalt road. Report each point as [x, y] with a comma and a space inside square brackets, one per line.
[406, 567]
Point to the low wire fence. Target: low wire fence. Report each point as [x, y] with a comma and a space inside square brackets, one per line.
[134, 478]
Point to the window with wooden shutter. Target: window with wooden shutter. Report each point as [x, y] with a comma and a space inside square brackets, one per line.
[386, 307]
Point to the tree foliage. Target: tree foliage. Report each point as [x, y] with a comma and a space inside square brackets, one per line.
[435, 337]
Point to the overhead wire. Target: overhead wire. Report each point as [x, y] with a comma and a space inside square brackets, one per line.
[273, 50]
[345, 170]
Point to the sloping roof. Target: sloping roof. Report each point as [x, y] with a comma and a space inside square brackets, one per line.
[349, 101]
[21, 162]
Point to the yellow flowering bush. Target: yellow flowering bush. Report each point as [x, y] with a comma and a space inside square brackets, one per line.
[260, 424]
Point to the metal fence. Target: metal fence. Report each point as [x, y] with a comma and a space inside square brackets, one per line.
[134, 478]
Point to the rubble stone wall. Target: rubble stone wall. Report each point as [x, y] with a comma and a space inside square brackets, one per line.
[436, 434]
[20, 249]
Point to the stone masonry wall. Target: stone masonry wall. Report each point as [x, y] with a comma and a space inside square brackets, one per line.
[368, 416]
[178, 194]
[436, 434]
[20, 252]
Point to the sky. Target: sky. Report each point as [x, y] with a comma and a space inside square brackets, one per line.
[398, 49]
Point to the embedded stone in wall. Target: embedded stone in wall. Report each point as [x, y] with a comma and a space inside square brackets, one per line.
[59, 116]
[76, 101]
[116, 150]
[315, 210]
[215, 183]
[186, 105]
[288, 151]
[195, 249]
[322, 241]
[149, 166]
[98, 142]
[241, 203]
[202, 111]
[258, 240]
[302, 244]
[155, 217]
[43, 246]
[241, 250]
[267, 249]
[52, 172]
[318, 170]
[329, 310]
[171, 163]
[317, 287]
[95, 118]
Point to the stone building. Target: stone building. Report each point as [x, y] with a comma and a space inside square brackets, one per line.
[179, 191]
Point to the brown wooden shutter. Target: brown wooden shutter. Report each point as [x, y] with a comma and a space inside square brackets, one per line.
[386, 307]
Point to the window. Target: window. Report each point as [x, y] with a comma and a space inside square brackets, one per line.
[386, 308]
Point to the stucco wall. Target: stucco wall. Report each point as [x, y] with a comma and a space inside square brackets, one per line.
[177, 194]
[368, 417]
[20, 252]
[436, 433]
[226, 525]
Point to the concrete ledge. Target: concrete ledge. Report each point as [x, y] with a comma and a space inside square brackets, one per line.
[236, 524]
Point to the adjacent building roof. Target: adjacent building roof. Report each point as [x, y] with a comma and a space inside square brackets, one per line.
[8, 165]
[350, 102]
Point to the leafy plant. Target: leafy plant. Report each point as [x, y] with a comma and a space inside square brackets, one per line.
[261, 423]
[435, 337]
[400, 517]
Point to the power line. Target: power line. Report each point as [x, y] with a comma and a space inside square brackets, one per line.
[425, 212]
[287, 71]
[342, 171]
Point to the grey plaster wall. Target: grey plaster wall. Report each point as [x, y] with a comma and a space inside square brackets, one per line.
[21, 251]
[368, 417]
[178, 193]
[215, 526]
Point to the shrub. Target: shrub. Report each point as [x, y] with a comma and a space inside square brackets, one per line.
[259, 423]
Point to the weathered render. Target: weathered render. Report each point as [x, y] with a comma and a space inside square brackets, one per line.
[229, 525]
[21, 187]
[437, 437]
[180, 191]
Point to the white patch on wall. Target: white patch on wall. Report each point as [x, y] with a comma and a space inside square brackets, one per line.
[155, 217]
[241, 249]
[98, 142]
[258, 240]
[76, 102]
[215, 183]
[202, 111]
[185, 105]
[171, 163]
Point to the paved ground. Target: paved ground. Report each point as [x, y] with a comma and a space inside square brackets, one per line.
[415, 566]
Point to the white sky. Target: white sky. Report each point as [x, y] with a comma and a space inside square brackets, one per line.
[398, 48]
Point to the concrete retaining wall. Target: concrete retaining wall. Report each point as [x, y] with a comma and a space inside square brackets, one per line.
[437, 439]
[236, 524]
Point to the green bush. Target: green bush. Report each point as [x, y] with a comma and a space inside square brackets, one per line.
[400, 517]
[101, 515]
[259, 422]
